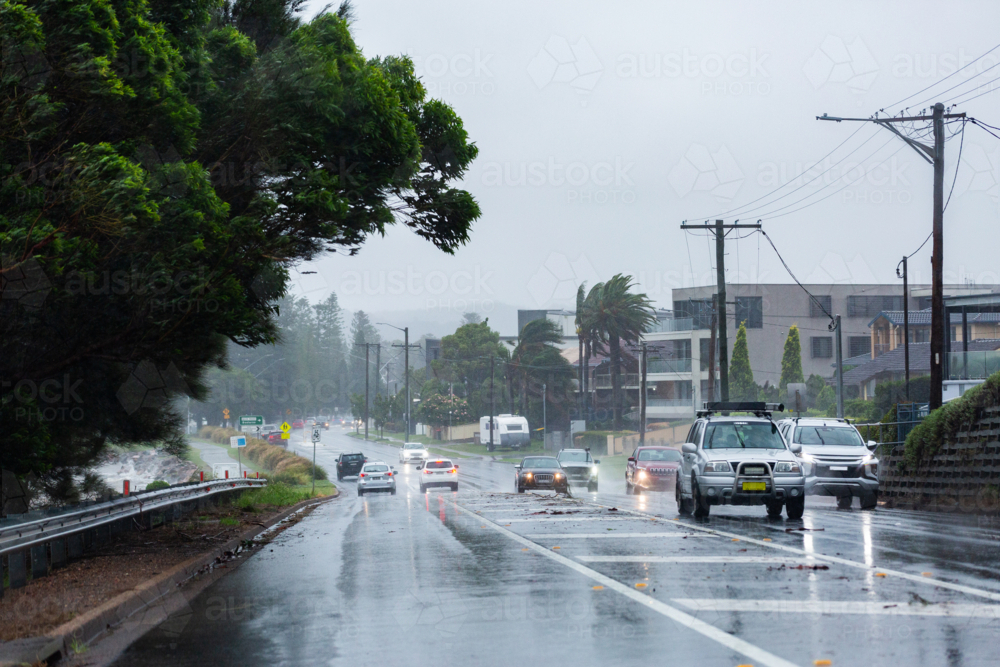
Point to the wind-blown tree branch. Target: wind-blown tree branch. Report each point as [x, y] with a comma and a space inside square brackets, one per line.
[535, 340]
[163, 166]
[619, 316]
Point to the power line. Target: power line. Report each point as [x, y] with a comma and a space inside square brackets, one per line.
[943, 79]
[957, 85]
[958, 163]
[991, 90]
[984, 126]
[785, 264]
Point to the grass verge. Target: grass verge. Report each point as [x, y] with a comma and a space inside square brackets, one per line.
[283, 495]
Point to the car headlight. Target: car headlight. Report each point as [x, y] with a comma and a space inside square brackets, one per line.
[869, 459]
[593, 471]
[558, 475]
[718, 466]
[808, 457]
[527, 475]
[787, 466]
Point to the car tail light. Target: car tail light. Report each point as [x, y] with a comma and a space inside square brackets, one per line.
[361, 475]
[453, 470]
[388, 474]
[427, 472]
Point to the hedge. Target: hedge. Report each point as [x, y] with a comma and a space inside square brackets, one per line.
[925, 440]
[288, 467]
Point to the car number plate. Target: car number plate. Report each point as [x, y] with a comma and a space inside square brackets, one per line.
[844, 468]
[754, 486]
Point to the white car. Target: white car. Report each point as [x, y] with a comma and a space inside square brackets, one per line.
[413, 452]
[836, 460]
[438, 472]
[377, 476]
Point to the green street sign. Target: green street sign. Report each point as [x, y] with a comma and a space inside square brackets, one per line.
[251, 420]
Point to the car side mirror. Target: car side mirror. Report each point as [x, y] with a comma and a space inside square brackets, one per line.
[689, 448]
[420, 466]
[597, 462]
[795, 448]
[517, 466]
[872, 445]
[455, 466]
[631, 459]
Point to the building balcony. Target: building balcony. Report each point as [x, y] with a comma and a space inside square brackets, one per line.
[674, 324]
[668, 366]
[977, 365]
[669, 408]
[630, 381]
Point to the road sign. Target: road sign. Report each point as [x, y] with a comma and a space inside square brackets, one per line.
[315, 437]
[225, 413]
[238, 441]
[285, 429]
[251, 420]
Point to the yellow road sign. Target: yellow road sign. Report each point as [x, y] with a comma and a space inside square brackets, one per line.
[285, 428]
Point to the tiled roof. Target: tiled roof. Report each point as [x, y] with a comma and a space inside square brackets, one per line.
[920, 360]
[923, 317]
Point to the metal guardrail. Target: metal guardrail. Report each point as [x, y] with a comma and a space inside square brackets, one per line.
[20, 536]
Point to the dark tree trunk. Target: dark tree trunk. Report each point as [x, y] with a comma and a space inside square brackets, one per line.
[616, 382]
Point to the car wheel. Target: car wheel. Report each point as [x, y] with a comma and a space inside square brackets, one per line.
[628, 487]
[774, 509]
[520, 489]
[361, 492]
[869, 502]
[392, 491]
[844, 502]
[794, 507]
[340, 478]
[454, 487]
[423, 489]
[683, 505]
[701, 506]
[592, 487]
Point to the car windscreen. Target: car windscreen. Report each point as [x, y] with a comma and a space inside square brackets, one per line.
[540, 462]
[828, 435]
[743, 435]
[376, 468]
[575, 457]
[413, 445]
[438, 465]
[659, 455]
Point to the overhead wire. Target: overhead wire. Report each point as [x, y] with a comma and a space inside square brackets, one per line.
[943, 79]
[957, 85]
[991, 90]
[797, 282]
[958, 163]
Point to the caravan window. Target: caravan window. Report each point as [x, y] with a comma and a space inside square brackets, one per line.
[513, 427]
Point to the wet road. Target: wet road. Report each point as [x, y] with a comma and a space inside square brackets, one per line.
[490, 577]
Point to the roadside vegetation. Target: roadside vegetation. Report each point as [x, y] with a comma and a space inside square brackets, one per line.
[943, 424]
[282, 466]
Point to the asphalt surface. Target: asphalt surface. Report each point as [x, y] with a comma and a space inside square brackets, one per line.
[489, 577]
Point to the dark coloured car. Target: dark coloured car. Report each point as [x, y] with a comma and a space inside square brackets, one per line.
[580, 467]
[349, 465]
[298, 423]
[540, 472]
[652, 468]
[274, 438]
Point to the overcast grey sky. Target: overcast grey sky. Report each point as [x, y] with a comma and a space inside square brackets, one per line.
[602, 126]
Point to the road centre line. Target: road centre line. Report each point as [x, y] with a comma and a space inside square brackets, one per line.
[726, 560]
[608, 535]
[549, 519]
[987, 611]
[755, 653]
[961, 588]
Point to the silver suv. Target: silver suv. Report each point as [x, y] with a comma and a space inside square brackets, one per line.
[376, 476]
[731, 460]
[413, 452]
[836, 460]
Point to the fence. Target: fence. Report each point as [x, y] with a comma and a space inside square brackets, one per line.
[52, 541]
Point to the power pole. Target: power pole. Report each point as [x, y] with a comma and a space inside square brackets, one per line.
[367, 347]
[406, 362]
[713, 342]
[935, 156]
[378, 368]
[642, 398]
[906, 327]
[720, 276]
[492, 366]
[545, 417]
[840, 368]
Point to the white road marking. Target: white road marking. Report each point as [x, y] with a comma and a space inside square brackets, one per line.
[547, 519]
[961, 588]
[755, 653]
[607, 535]
[727, 560]
[990, 611]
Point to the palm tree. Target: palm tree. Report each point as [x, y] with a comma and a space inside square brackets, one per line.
[533, 341]
[581, 297]
[619, 315]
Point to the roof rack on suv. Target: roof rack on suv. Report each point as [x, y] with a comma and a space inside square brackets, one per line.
[760, 409]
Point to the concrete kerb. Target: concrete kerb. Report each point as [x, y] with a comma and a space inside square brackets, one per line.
[93, 625]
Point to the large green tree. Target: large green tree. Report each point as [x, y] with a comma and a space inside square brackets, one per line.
[162, 166]
[618, 315]
[741, 384]
[542, 373]
[467, 357]
[791, 360]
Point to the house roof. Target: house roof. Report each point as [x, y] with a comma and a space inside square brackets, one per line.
[923, 317]
[920, 360]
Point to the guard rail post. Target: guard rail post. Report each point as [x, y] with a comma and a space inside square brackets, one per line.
[58, 551]
[39, 561]
[16, 570]
[74, 546]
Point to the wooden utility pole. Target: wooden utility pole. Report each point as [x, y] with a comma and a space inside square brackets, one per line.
[642, 398]
[492, 366]
[906, 325]
[712, 342]
[406, 378]
[720, 276]
[935, 156]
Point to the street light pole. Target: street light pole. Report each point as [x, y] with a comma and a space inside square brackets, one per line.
[406, 363]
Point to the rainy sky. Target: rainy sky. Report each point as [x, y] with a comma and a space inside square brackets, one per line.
[602, 127]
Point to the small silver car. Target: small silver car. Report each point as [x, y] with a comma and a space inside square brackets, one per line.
[413, 452]
[836, 460]
[739, 460]
[376, 476]
[438, 472]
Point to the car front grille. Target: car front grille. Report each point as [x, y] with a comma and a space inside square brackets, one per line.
[661, 472]
[753, 469]
[852, 471]
[543, 479]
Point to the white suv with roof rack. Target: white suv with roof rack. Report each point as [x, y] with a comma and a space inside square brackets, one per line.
[739, 460]
[836, 459]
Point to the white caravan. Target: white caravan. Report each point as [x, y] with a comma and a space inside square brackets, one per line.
[509, 431]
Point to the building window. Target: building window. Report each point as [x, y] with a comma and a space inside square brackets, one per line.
[816, 305]
[699, 310]
[750, 309]
[822, 347]
[870, 306]
[920, 335]
[858, 345]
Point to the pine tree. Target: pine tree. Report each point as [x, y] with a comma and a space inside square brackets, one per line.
[791, 360]
[741, 384]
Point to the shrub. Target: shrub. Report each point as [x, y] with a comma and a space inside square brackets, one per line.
[944, 423]
[278, 494]
[267, 456]
[826, 399]
[157, 485]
